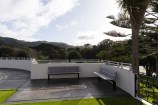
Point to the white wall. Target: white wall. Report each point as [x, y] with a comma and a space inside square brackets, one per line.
[40, 71]
[125, 79]
[16, 64]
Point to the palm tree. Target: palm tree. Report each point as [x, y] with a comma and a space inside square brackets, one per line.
[136, 10]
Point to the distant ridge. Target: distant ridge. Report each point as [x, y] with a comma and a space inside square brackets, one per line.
[20, 43]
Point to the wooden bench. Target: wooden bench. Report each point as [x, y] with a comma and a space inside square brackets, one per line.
[107, 75]
[62, 70]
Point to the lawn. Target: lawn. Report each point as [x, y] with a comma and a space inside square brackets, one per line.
[147, 87]
[150, 97]
[90, 101]
[5, 94]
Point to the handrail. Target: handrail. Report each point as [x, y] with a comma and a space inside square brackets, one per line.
[107, 62]
[122, 65]
[15, 58]
[118, 64]
[114, 63]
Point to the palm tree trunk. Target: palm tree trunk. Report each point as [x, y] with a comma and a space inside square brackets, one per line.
[136, 10]
[135, 50]
[136, 21]
[136, 16]
[135, 54]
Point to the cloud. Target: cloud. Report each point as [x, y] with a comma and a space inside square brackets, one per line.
[95, 36]
[91, 37]
[71, 24]
[86, 35]
[23, 18]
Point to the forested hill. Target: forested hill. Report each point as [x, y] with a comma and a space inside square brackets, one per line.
[20, 43]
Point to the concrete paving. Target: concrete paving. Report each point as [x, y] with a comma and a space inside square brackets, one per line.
[35, 90]
[13, 78]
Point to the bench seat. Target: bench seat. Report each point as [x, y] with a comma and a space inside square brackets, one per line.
[107, 75]
[102, 76]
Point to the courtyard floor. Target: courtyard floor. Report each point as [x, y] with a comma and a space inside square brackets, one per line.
[65, 89]
[54, 89]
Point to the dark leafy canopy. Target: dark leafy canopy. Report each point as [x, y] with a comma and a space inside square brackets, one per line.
[62, 54]
[23, 53]
[133, 5]
[53, 54]
[6, 52]
[122, 21]
[74, 55]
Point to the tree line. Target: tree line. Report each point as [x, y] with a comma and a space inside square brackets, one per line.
[107, 50]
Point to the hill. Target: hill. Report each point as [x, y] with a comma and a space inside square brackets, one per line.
[20, 43]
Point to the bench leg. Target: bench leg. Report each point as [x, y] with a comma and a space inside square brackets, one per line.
[114, 85]
[78, 76]
[48, 77]
[99, 78]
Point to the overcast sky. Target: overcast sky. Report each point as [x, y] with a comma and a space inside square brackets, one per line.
[75, 22]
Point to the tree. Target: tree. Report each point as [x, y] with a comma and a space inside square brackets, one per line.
[121, 52]
[74, 55]
[53, 55]
[105, 45]
[87, 53]
[45, 48]
[22, 54]
[136, 10]
[151, 30]
[121, 21]
[149, 63]
[62, 54]
[6, 52]
[103, 55]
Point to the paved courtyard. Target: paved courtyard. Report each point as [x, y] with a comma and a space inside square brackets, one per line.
[64, 89]
[54, 89]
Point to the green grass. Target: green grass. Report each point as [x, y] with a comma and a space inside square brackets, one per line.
[5, 94]
[143, 89]
[150, 98]
[90, 101]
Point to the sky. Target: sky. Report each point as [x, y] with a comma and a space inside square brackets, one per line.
[75, 22]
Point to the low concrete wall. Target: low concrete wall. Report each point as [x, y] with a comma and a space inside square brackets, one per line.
[16, 64]
[125, 79]
[40, 71]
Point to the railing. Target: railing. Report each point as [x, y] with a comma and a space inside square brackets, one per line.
[107, 62]
[126, 65]
[148, 89]
[53, 61]
[113, 63]
[77, 60]
[69, 61]
[121, 65]
[84, 61]
[14, 58]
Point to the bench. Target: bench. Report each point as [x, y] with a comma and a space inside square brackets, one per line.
[107, 75]
[62, 70]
